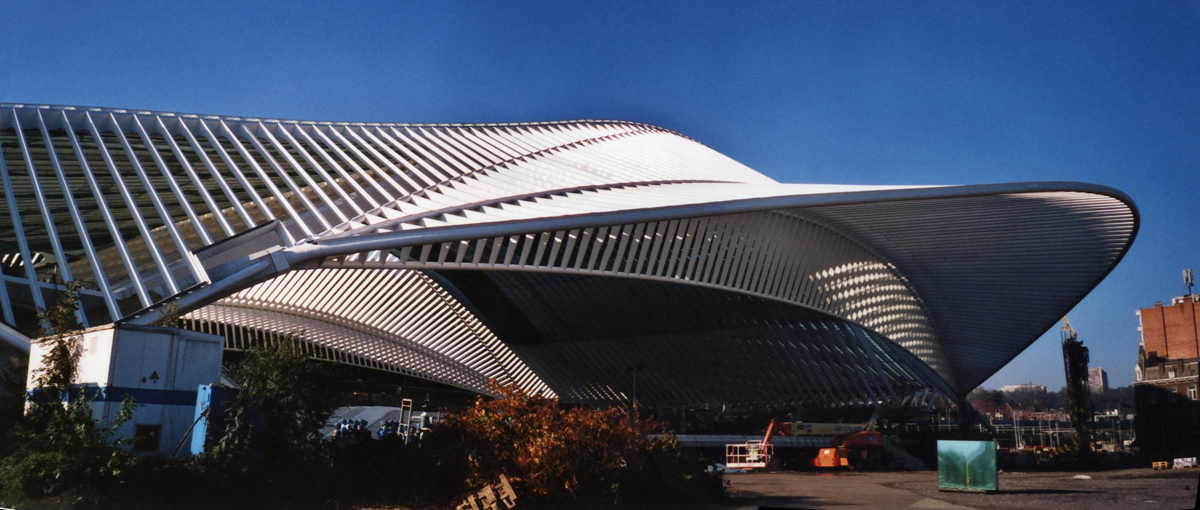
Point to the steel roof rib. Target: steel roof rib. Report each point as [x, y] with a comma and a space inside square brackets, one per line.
[80, 228]
[51, 231]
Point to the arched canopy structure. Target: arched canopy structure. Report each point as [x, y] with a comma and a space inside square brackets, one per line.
[553, 256]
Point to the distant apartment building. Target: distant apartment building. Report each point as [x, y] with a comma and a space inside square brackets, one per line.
[1030, 388]
[1097, 380]
[1168, 371]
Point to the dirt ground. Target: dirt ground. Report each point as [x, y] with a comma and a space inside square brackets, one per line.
[1131, 488]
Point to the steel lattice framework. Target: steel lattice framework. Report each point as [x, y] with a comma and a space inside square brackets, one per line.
[548, 255]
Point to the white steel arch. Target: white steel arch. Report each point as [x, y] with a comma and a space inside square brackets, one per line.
[384, 245]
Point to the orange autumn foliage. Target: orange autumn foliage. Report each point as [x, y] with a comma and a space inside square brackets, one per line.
[562, 455]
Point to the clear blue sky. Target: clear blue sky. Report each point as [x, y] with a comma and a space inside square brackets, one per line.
[838, 92]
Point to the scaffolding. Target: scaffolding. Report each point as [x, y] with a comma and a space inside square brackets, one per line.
[1075, 361]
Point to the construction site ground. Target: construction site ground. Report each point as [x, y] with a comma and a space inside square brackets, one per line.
[1103, 490]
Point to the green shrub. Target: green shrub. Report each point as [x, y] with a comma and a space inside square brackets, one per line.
[57, 447]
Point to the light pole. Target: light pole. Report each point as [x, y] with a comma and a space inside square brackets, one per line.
[1016, 432]
[633, 370]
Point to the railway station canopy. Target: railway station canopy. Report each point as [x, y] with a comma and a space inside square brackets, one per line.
[554, 256]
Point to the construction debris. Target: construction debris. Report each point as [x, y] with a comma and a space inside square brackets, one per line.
[491, 497]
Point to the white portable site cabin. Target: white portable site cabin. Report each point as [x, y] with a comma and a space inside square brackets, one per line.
[161, 368]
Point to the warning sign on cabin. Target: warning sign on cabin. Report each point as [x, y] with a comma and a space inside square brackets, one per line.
[154, 376]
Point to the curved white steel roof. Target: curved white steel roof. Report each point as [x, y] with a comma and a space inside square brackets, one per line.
[442, 250]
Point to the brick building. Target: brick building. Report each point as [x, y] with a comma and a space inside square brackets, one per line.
[1168, 372]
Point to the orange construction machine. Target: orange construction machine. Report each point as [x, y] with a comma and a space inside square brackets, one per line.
[858, 451]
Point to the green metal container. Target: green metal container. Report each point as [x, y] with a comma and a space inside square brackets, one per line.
[967, 466]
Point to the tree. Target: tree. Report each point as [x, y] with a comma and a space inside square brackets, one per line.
[61, 361]
[271, 444]
[170, 316]
[295, 394]
[58, 444]
[987, 401]
[557, 456]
